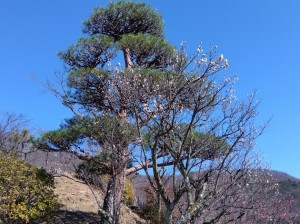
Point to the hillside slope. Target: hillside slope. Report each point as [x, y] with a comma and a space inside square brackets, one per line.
[79, 205]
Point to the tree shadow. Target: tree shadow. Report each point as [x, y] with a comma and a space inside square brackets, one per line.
[70, 217]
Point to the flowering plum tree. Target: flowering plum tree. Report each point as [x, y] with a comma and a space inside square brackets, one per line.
[173, 116]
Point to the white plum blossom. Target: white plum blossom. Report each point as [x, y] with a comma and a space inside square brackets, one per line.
[221, 57]
[226, 62]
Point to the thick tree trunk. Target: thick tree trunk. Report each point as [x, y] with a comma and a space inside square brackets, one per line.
[108, 203]
[113, 198]
[115, 188]
[168, 217]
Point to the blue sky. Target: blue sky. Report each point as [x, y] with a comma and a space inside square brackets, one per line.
[261, 39]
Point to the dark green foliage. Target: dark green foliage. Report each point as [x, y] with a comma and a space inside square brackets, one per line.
[45, 177]
[90, 52]
[90, 87]
[76, 132]
[98, 165]
[206, 146]
[199, 145]
[122, 17]
[63, 138]
[147, 50]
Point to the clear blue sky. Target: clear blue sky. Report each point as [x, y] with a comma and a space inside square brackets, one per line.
[261, 38]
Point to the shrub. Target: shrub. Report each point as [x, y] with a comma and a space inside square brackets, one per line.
[151, 210]
[129, 195]
[26, 193]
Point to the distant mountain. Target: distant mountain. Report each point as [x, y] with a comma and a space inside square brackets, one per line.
[281, 176]
[289, 185]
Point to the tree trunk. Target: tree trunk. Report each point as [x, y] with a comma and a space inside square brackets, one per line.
[168, 216]
[113, 198]
[115, 189]
[128, 62]
[159, 206]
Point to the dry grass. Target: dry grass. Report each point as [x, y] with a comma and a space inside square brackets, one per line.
[79, 204]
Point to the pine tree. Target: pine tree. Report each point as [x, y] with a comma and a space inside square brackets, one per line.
[136, 31]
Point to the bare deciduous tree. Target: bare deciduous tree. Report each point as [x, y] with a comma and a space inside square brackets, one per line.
[15, 139]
